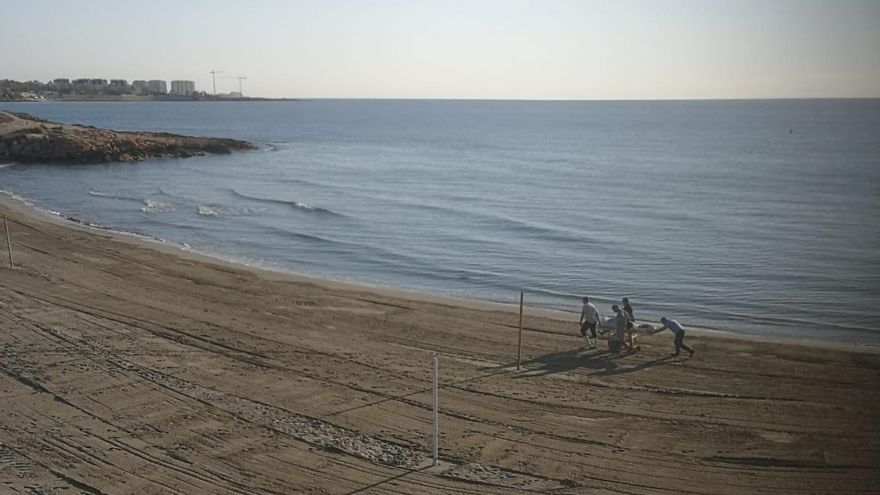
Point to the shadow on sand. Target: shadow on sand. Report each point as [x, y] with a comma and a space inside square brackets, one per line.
[601, 362]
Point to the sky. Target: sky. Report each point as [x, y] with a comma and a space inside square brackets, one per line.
[485, 49]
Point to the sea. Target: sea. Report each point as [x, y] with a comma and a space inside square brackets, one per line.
[758, 217]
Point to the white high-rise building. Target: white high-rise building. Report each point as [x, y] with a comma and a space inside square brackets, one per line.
[157, 87]
[183, 88]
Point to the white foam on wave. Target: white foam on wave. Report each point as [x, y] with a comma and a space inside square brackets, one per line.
[16, 197]
[156, 207]
[217, 210]
[114, 195]
[295, 204]
[207, 211]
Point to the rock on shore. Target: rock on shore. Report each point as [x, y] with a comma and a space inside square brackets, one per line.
[25, 138]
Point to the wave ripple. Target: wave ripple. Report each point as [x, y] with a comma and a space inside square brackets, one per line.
[295, 204]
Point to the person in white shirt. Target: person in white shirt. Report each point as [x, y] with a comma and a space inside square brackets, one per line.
[676, 328]
[589, 319]
[617, 341]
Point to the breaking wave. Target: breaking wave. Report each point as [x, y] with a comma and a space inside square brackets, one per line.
[177, 197]
[115, 195]
[295, 204]
[218, 210]
[155, 207]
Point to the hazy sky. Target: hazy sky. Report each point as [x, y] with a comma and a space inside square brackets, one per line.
[457, 49]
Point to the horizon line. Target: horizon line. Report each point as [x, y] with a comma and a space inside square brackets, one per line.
[404, 98]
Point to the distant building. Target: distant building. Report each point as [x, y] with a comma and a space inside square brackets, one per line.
[98, 83]
[82, 82]
[59, 84]
[140, 87]
[156, 86]
[183, 88]
[230, 95]
[120, 83]
[31, 96]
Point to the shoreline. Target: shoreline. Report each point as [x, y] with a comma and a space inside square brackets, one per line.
[11, 201]
[130, 366]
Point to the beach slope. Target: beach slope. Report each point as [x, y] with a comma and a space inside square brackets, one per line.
[128, 367]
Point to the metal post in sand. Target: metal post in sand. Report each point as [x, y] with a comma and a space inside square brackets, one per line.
[519, 345]
[8, 242]
[436, 447]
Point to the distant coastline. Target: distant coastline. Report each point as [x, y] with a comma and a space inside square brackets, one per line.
[63, 89]
[125, 98]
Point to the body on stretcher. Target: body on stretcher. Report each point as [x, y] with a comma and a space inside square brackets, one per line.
[607, 325]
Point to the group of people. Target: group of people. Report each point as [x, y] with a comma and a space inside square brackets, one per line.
[624, 333]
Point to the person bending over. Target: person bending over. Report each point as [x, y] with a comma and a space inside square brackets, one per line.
[676, 328]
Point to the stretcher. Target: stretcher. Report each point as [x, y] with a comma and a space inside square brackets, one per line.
[608, 324]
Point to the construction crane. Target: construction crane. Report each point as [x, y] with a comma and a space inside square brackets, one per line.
[240, 94]
[214, 79]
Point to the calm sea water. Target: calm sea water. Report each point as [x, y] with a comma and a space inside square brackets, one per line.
[750, 216]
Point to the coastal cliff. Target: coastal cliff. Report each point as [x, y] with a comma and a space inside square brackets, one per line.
[28, 139]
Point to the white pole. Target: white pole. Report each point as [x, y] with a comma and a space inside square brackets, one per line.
[519, 343]
[8, 242]
[436, 414]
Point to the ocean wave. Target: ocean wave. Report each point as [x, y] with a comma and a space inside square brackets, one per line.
[16, 197]
[505, 223]
[131, 233]
[176, 197]
[295, 204]
[284, 232]
[218, 210]
[80, 221]
[115, 195]
[156, 207]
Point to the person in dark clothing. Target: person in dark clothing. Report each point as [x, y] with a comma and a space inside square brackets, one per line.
[630, 329]
[629, 310]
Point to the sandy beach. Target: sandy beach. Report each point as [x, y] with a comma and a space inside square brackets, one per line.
[129, 367]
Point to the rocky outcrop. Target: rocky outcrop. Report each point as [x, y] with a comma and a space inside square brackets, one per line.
[24, 138]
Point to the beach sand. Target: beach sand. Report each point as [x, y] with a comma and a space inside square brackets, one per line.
[129, 367]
